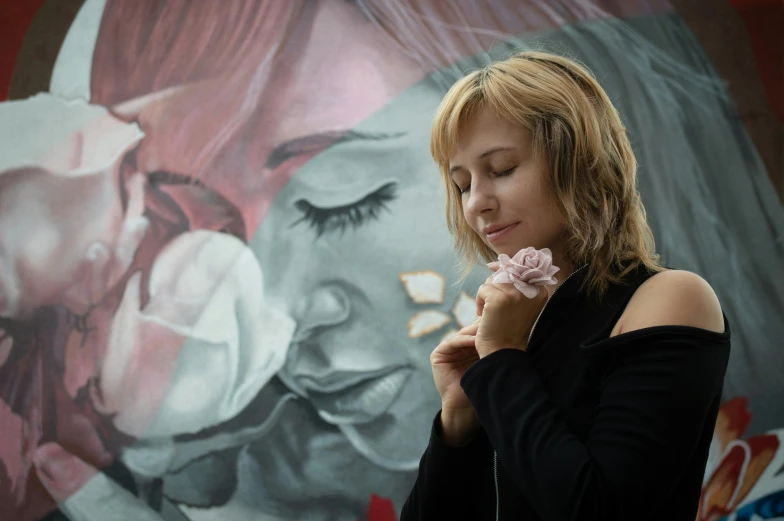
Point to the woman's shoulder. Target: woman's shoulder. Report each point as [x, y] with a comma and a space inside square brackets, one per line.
[672, 298]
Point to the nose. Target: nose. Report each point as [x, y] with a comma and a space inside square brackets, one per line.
[328, 305]
[481, 199]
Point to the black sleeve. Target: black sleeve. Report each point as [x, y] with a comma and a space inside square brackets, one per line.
[448, 478]
[659, 389]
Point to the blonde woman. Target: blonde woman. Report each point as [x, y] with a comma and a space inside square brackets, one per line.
[596, 399]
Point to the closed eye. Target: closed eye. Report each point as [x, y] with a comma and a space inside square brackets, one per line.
[503, 173]
[341, 217]
[506, 172]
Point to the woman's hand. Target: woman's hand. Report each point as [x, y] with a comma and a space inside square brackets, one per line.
[506, 316]
[82, 492]
[449, 361]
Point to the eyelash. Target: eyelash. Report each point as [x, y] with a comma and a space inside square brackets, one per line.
[499, 174]
[341, 217]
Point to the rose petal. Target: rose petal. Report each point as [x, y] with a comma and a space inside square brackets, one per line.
[71, 137]
[527, 270]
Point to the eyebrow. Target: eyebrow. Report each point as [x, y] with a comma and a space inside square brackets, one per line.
[314, 143]
[483, 155]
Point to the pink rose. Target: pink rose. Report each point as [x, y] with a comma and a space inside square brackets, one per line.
[527, 270]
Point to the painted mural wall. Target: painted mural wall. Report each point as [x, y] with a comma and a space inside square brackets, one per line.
[224, 259]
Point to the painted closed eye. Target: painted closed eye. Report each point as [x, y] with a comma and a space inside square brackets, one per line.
[341, 217]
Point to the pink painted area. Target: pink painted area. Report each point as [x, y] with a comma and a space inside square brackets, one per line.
[236, 101]
[12, 429]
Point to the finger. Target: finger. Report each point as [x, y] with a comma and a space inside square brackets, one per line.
[61, 472]
[98, 256]
[494, 266]
[454, 352]
[507, 288]
[456, 343]
[470, 329]
[6, 344]
[484, 292]
[98, 497]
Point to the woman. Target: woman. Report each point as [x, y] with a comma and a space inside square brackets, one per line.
[613, 397]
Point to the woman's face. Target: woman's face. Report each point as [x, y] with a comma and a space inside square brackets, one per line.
[503, 192]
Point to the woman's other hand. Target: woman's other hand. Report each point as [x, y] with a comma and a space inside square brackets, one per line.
[506, 316]
[449, 361]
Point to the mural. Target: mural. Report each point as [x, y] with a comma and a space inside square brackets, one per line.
[224, 261]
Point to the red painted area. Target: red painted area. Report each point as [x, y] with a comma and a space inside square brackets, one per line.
[15, 18]
[381, 509]
[764, 20]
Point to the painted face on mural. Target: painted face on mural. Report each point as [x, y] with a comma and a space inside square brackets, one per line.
[334, 243]
[337, 239]
[335, 247]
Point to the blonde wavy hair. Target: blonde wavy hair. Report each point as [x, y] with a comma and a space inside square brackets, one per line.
[581, 143]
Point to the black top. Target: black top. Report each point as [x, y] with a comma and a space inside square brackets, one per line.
[586, 427]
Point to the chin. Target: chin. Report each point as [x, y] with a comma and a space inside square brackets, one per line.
[508, 250]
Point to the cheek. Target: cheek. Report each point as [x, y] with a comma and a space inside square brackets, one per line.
[469, 218]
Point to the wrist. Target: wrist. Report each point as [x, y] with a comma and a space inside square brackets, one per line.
[486, 350]
[457, 427]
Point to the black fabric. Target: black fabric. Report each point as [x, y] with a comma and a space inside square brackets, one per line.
[586, 427]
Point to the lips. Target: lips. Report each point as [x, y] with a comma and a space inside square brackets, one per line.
[496, 232]
[489, 230]
[351, 397]
[362, 402]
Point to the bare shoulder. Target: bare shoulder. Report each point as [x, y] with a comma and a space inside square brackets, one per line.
[672, 298]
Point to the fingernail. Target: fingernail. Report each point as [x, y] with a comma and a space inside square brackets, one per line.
[60, 472]
[57, 467]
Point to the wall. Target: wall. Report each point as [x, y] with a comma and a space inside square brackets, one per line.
[209, 213]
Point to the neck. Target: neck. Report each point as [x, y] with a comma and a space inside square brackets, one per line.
[566, 269]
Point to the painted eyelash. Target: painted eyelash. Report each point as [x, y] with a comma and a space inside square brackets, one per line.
[341, 217]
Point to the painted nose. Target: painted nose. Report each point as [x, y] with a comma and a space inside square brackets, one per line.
[328, 305]
[325, 308]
